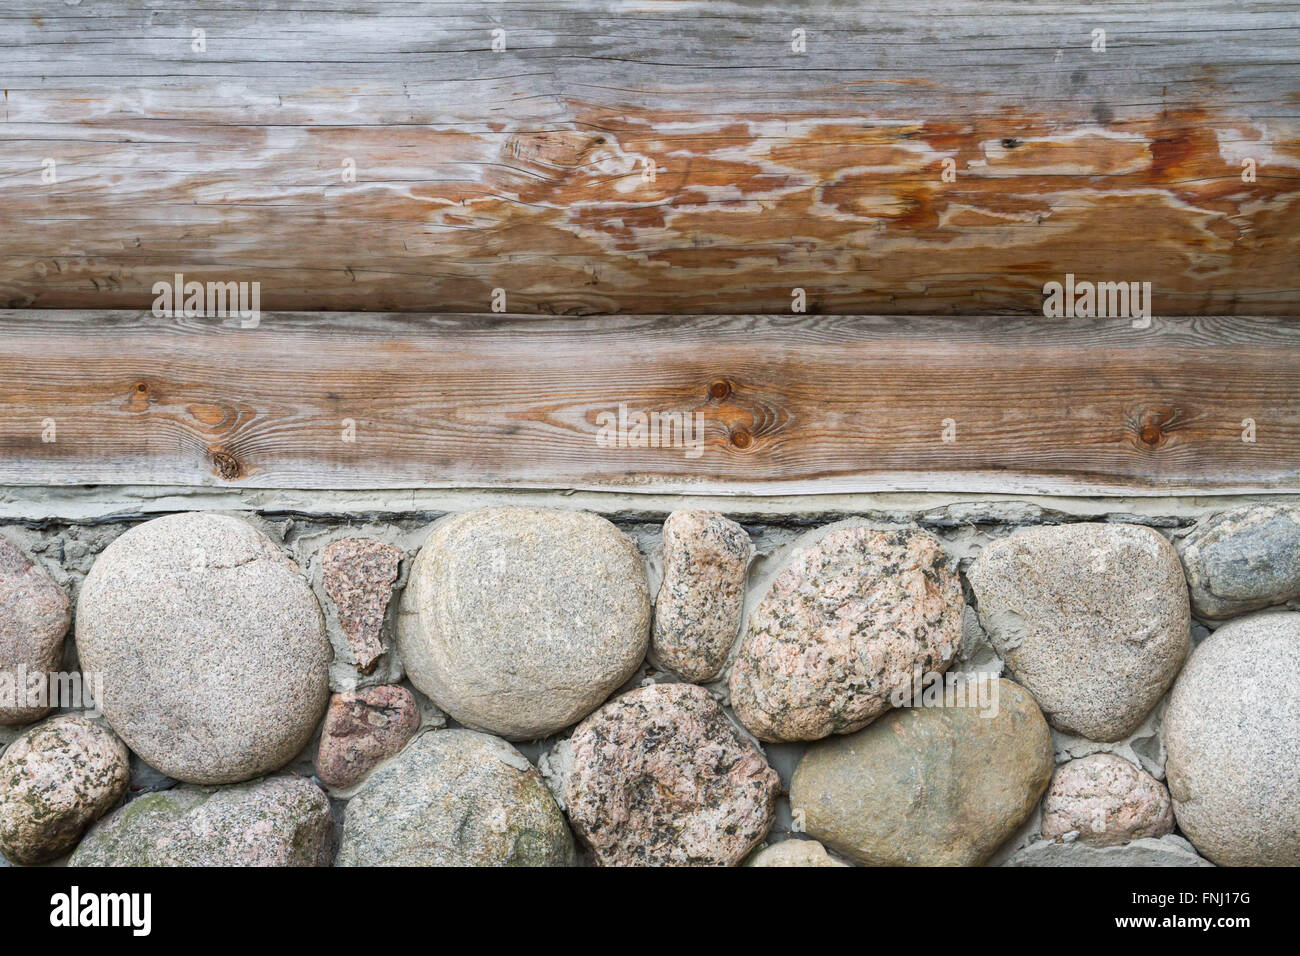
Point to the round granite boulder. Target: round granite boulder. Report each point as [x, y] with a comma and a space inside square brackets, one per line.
[210, 644]
[455, 798]
[1103, 800]
[1232, 732]
[927, 786]
[521, 621]
[851, 620]
[55, 780]
[34, 618]
[279, 821]
[794, 853]
[661, 777]
[1092, 618]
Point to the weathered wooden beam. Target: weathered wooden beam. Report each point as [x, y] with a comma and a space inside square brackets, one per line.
[785, 405]
[650, 156]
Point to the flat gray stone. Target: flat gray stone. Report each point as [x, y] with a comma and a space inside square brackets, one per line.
[279, 821]
[927, 786]
[1149, 851]
[455, 798]
[521, 621]
[850, 620]
[1243, 560]
[701, 600]
[211, 646]
[661, 777]
[1232, 731]
[55, 780]
[1092, 618]
[34, 618]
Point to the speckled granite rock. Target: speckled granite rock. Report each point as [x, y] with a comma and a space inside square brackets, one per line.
[698, 611]
[358, 574]
[1092, 618]
[211, 646]
[1104, 800]
[1164, 851]
[661, 777]
[928, 786]
[279, 821]
[849, 620]
[362, 729]
[55, 780]
[1243, 560]
[34, 618]
[522, 621]
[1232, 730]
[794, 853]
[455, 798]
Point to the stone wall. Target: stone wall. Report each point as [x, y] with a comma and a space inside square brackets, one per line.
[901, 681]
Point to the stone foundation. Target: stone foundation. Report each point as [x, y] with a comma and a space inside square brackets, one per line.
[1064, 623]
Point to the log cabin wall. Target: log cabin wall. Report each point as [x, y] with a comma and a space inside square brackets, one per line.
[651, 157]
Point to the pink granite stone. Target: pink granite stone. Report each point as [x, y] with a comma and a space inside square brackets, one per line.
[362, 729]
[34, 618]
[661, 777]
[850, 620]
[359, 575]
[1106, 801]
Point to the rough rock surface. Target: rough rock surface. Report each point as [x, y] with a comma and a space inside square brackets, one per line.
[358, 574]
[661, 777]
[794, 853]
[55, 780]
[1232, 731]
[847, 622]
[455, 798]
[1092, 618]
[701, 600]
[1104, 800]
[1243, 560]
[362, 729]
[927, 786]
[211, 646]
[1150, 851]
[522, 621]
[34, 618]
[279, 821]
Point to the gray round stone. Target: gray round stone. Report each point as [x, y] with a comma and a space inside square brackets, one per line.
[521, 621]
[1243, 560]
[34, 618]
[794, 853]
[1092, 618]
[1232, 732]
[210, 644]
[455, 798]
[55, 780]
[280, 821]
[927, 786]
[850, 621]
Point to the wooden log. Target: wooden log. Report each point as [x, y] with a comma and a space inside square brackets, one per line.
[651, 156]
[785, 405]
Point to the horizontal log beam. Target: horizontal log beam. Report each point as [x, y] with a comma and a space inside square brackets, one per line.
[650, 156]
[784, 405]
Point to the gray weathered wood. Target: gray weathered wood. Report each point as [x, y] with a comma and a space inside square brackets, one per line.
[523, 169]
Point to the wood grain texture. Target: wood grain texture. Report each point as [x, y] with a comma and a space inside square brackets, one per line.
[525, 169]
[789, 405]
